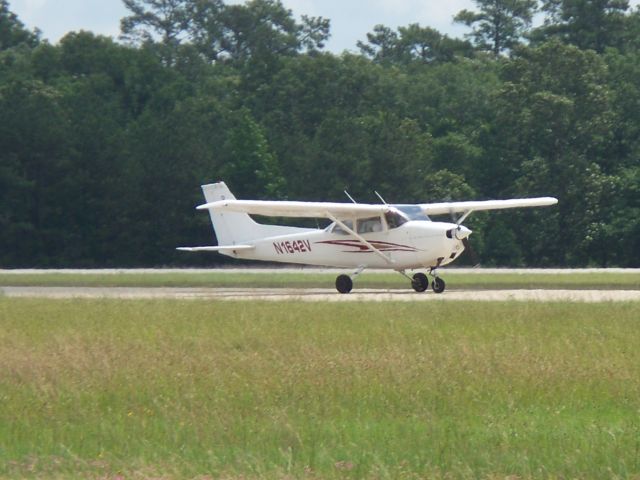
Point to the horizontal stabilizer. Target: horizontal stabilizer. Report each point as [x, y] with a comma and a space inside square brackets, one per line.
[216, 248]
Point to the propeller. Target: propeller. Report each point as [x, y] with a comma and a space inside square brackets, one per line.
[472, 253]
[475, 260]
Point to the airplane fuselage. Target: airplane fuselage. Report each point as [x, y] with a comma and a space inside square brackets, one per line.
[415, 244]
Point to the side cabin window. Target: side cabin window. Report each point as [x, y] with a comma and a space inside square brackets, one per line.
[369, 225]
[339, 230]
[394, 219]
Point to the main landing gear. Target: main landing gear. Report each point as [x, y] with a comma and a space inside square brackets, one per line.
[419, 281]
[344, 283]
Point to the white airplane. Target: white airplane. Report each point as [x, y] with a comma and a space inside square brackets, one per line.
[397, 237]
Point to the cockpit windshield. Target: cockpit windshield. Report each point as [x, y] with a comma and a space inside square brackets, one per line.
[413, 212]
[394, 219]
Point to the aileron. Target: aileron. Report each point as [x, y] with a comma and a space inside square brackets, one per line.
[456, 207]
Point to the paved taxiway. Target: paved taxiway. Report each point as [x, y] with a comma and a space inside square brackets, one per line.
[322, 294]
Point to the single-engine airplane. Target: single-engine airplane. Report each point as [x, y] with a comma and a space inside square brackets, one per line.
[397, 237]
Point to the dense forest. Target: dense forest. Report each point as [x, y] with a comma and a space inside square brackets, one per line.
[104, 143]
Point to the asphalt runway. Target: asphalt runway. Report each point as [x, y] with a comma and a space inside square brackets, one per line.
[322, 294]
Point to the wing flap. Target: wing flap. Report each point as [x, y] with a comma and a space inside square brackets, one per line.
[297, 209]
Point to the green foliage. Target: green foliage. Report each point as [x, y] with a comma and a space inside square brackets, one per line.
[250, 168]
[410, 44]
[103, 144]
[167, 18]
[499, 24]
[445, 186]
[12, 30]
[587, 24]
[256, 30]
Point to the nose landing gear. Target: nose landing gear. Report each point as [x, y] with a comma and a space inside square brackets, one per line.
[438, 285]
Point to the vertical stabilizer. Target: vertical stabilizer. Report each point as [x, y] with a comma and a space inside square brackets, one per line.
[230, 228]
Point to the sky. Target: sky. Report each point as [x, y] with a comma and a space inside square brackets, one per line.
[351, 20]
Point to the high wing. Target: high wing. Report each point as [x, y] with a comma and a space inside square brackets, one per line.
[468, 207]
[271, 208]
[297, 209]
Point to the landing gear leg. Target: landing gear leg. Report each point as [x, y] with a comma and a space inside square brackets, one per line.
[344, 283]
[419, 281]
[438, 284]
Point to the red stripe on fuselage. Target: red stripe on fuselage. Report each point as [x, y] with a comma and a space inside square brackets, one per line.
[363, 248]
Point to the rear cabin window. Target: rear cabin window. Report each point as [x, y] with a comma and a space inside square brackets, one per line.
[339, 230]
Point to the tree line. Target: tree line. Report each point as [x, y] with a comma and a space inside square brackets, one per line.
[104, 143]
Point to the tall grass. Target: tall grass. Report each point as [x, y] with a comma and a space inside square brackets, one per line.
[171, 389]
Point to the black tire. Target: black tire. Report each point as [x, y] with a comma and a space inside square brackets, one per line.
[438, 285]
[344, 284]
[420, 282]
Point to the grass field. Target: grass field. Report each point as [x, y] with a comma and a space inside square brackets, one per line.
[168, 389]
[391, 280]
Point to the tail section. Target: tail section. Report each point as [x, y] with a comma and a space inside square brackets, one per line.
[230, 228]
[238, 228]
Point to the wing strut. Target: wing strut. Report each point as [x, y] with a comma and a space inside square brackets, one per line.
[361, 238]
[464, 216]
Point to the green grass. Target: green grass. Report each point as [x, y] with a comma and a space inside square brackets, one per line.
[392, 280]
[184, 389]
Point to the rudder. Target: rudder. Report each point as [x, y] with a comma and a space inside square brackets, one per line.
[230, 228]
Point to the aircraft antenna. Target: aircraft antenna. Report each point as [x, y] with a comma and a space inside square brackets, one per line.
[350, 197]
[380, 197]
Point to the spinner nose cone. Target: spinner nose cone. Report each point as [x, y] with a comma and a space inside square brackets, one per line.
[462, 232]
